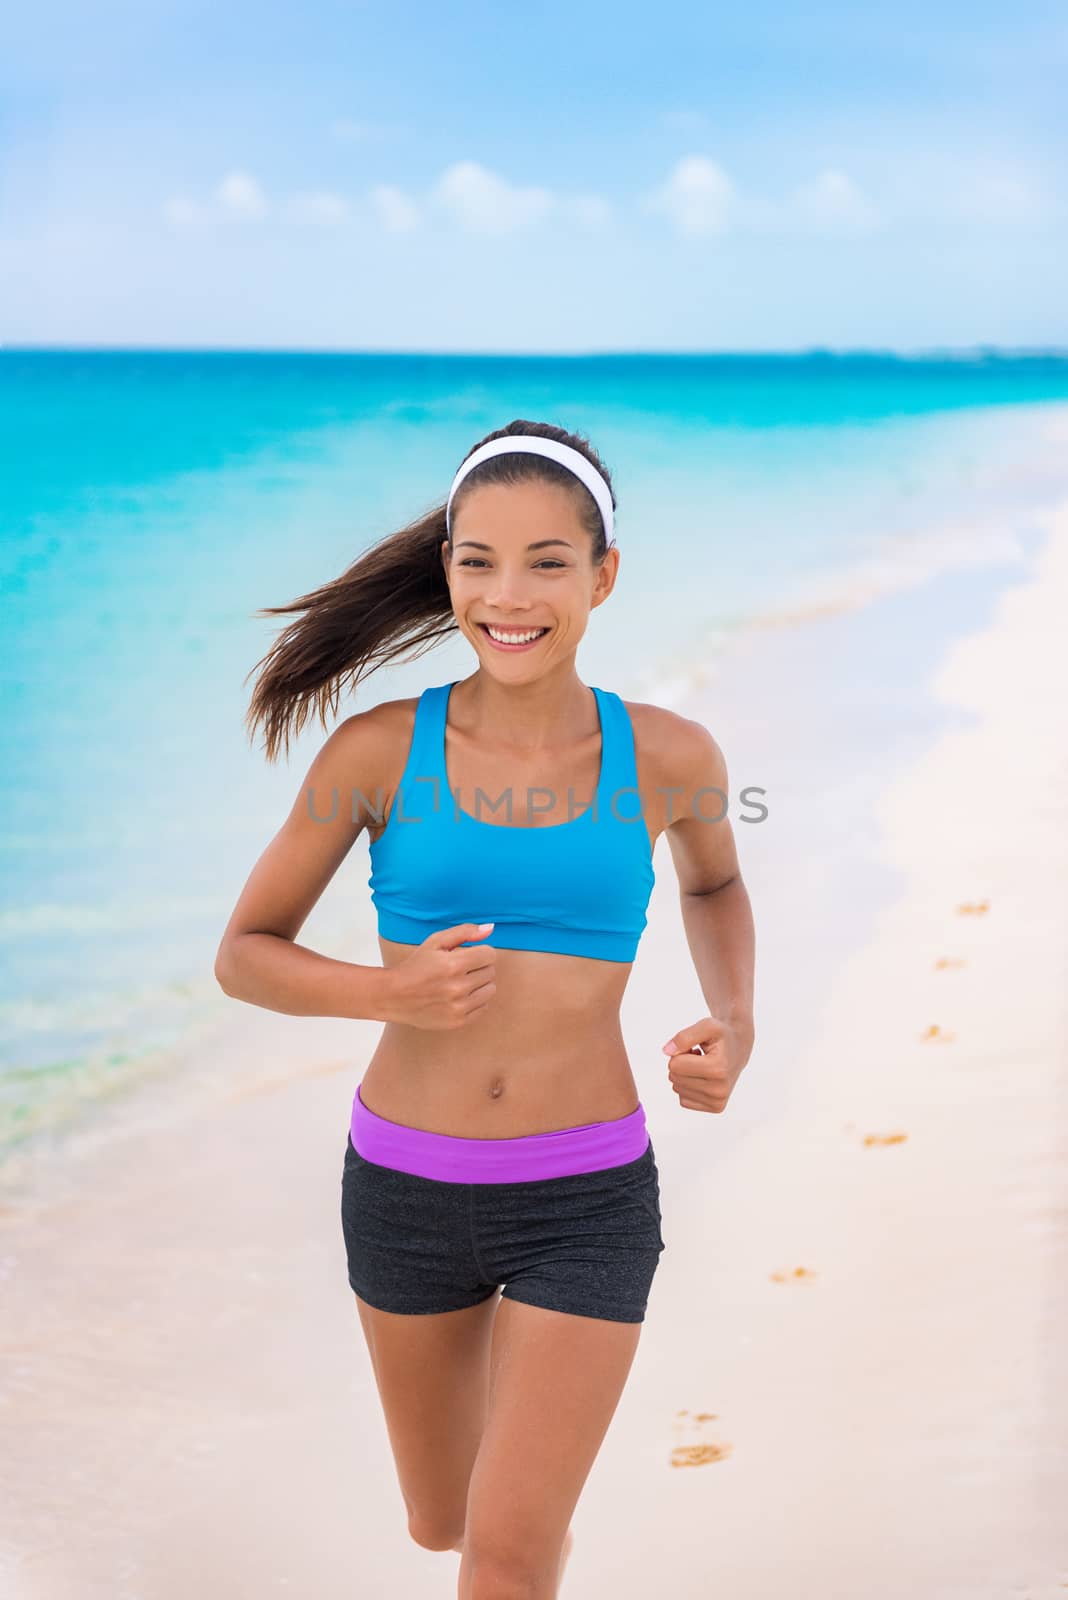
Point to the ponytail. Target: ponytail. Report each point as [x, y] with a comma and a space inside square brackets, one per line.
[394, 599]
[392, 603]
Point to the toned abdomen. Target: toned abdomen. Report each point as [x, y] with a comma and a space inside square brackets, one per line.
[546, 1053]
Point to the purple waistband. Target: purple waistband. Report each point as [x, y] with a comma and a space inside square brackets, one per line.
[561, 1153]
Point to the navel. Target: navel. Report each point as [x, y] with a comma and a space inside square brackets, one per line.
[496, 1088]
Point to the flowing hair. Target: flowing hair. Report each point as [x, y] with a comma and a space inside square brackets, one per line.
[393, 602]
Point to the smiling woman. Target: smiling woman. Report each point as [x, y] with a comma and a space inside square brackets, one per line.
[513, 595]
[394, 601]
[499, 1191]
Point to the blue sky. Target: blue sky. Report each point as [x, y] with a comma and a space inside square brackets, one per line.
[559, 177]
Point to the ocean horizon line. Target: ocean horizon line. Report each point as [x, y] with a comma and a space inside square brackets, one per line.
[947, 353]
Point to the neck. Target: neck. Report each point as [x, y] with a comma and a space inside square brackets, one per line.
[556, 708]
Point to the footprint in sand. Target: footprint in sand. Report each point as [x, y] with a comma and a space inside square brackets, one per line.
[974, 908]
[885, 1138]
[698, 1455]
[796, 1275]
[938, 1034]
[701, 1450]
[946, 963]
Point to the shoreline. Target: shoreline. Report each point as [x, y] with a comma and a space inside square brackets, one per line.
[186, 1381]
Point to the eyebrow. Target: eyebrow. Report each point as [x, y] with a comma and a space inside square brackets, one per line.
[539, 544]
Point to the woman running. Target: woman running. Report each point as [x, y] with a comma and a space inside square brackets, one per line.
[500, 1201]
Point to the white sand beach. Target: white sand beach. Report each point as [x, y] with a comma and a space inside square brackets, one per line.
[852, 1379]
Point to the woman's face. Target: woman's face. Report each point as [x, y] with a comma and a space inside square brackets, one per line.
[523, 562]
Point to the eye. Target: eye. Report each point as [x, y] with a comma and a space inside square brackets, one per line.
[477, 561]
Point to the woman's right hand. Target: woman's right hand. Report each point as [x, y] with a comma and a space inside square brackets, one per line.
[441, 985]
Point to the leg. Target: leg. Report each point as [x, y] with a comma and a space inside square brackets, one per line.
[555, 1382]
[432, 1374]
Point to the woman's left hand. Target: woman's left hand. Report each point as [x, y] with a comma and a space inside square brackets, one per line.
[706, 1060]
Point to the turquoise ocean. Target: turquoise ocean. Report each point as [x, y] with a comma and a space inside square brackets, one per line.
[152, 501]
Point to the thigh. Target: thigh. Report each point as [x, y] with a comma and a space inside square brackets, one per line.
[426, 1314]
[555, 1382]
[432, 1374]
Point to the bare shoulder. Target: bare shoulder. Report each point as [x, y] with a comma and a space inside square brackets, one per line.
[372, 741]
[673, 749]
[369, 750]
[383, 722]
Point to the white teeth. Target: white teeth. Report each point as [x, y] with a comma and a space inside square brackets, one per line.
[514, 638]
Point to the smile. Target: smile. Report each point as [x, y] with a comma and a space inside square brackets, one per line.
[512, 638]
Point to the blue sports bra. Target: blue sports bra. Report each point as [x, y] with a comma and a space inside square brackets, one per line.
[579, 887]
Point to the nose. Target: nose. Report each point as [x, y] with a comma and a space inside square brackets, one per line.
[507, 591]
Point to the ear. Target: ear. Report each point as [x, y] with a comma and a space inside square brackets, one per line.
[605, 581]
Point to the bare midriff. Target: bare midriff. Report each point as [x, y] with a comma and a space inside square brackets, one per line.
[547, 1053]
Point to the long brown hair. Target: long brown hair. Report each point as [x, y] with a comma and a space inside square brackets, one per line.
[393, 601]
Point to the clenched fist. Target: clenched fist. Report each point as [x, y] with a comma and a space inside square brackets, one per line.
[440, 985]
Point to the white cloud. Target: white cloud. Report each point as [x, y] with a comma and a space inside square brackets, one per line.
[239, 195]
[318, 207]
[480, 200]
[698, 197]
[396, 212]
[484, 202]
[833, 200]
[470, 194]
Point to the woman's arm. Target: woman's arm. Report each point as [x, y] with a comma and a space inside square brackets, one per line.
[718, 920]
[716, 911]
[258, 960]
[720, 933]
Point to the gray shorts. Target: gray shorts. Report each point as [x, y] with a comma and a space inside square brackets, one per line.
[588, 1244]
